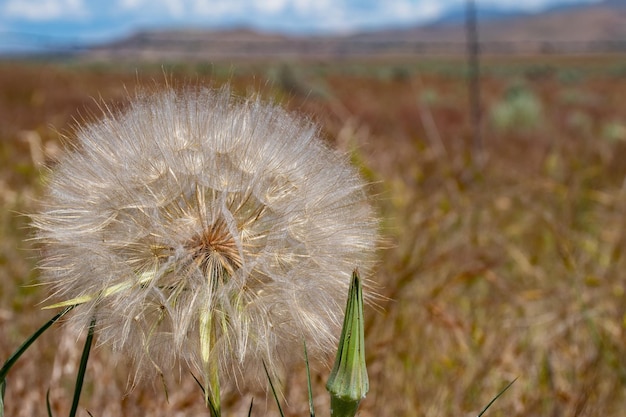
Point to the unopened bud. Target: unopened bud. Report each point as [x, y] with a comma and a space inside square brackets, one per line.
[348, 381]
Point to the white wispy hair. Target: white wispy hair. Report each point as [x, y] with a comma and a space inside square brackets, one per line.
[197, 227]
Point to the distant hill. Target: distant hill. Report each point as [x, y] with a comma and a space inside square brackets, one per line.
[599, 27]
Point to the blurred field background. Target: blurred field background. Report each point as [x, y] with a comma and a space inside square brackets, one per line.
[512, 268]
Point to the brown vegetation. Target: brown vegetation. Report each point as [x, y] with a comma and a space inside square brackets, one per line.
[511, 269]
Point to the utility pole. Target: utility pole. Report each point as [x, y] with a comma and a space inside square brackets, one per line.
[473, 83]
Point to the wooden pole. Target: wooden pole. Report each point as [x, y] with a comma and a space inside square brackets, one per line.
[473, 64]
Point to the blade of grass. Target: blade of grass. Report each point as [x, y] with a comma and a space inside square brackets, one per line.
[3, 386]
[212, 408]
[16, 355]
[496, 397]
[273, 390]
[48, 407]
[80, 378]
[198, 382]
[167, 395]
[308, 380]
[250, 409]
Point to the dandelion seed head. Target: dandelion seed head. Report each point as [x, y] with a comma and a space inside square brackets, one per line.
[197, 227]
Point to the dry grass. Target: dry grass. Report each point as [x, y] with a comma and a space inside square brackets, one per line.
[512, 271]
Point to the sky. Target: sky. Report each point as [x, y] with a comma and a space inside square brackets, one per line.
[28, 24]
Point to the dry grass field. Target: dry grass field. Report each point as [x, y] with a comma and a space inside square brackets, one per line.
[514, 268]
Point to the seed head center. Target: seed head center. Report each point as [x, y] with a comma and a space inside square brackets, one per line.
[215, 250]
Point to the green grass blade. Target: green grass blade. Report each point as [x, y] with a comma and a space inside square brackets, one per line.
[80, 378]
[250, 409]
[308, 381]
[280, 409]
[496, 397]
[48, 408]
[16, 355]
[198, 382]
[165, 390]
[3, 386]
[214, 411]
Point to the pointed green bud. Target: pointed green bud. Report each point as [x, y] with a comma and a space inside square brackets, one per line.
[348, 381]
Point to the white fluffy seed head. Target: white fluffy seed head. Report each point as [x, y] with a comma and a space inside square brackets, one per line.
[200, 228]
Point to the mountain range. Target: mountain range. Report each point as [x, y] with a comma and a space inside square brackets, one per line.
[583, 28]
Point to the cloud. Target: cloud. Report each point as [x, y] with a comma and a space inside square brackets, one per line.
[531, 5]
[296, 16]
[350, 15]
[45, 10]
[217, 9]
[406, 10]
[170, 8]
[335, 15]
[274, 6]
[345, 15]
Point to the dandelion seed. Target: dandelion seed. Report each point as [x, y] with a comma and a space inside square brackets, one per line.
[203, 229]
